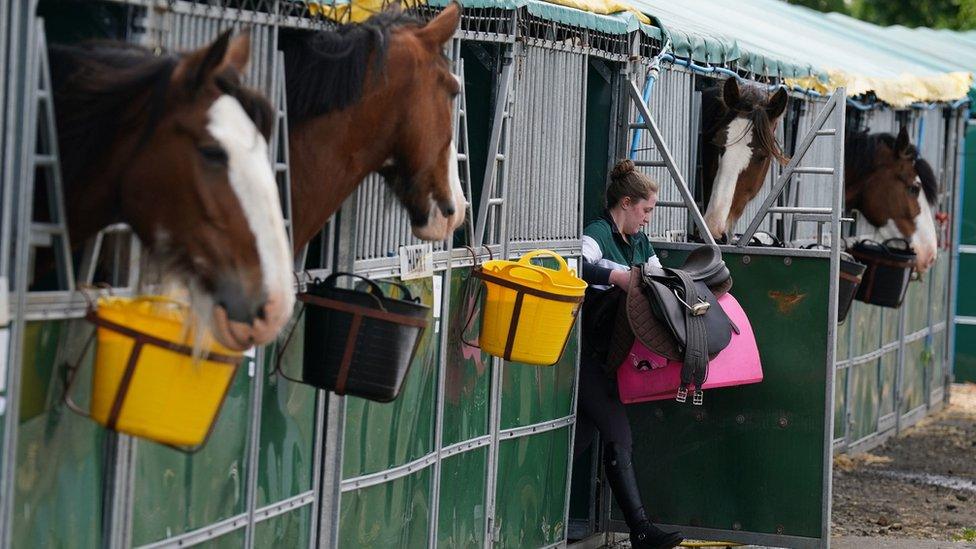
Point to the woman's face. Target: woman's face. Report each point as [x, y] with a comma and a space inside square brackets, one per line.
[636, 213]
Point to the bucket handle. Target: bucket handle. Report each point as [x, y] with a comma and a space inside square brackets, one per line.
[527, 259]
[280, 351]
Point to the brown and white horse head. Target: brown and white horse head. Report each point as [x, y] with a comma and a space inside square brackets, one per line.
[423, 165]
[184, 162]
[372, 97]
[894, 189]
[738, 142]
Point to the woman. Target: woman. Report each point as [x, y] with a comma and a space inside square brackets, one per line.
[611, 245]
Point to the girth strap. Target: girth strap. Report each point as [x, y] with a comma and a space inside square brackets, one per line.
[694, 370]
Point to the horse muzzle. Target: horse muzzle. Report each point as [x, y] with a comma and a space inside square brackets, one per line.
[234, 328]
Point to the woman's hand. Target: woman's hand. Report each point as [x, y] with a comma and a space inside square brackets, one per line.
[621, 279]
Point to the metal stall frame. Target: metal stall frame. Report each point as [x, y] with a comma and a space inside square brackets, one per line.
[833, 110]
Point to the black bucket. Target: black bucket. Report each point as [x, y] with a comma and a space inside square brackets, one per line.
[889, 269]
[850, 280]
[360, 343]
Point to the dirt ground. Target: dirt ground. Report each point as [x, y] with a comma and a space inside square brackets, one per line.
[920, 485]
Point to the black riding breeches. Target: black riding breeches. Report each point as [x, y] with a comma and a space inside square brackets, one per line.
[599, 409]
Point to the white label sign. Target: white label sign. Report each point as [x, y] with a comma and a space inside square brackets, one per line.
[416, 261]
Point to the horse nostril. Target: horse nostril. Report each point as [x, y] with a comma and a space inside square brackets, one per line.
[262, 311]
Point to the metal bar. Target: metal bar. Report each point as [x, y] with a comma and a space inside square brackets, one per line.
[488, 184]
[207, 533]
[494, 417]
[380, 477]
[655, 133]
[834, 280]
[791, 167]
[284, 506]
[20, 140]
[254, 442]
[800, 210]
[439, 413]
[538, 428]
[814, 170]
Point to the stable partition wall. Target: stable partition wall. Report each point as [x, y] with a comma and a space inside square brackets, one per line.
[964, 367]
[254, 483]
[893, 365]
[502, 431]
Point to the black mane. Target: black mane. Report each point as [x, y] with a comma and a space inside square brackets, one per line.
[716, 115]
[103, 88]
[860, 157]
[326, 70]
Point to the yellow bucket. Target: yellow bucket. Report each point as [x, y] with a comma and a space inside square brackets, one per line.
[146, 381]
[529, 310]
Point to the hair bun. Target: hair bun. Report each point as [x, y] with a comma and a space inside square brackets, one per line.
[622, 169]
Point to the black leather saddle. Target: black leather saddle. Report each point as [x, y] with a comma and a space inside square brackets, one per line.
[675, 312]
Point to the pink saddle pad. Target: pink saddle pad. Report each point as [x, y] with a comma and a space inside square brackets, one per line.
[645, 375]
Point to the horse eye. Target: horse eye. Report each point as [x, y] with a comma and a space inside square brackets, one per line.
[914, 190]
[214, 154]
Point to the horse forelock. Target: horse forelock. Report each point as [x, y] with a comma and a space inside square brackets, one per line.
[327, 70]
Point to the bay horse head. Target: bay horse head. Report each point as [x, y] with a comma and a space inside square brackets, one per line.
[374, 96]
[738, 143]
[894, 189]
[176, 147]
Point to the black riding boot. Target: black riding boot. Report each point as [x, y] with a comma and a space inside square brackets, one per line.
[620, 472]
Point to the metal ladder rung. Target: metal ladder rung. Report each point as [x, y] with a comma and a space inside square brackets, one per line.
[637, 126]
[462, 157]
[495, 201]
[45, 160]
[671, 204]
[799, 210]
[814, 170]
[650, 163]
[829, 131]
[500, 157]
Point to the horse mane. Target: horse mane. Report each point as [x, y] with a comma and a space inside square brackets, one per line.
[326, 70]
[105, 87]
[716, 115]
[930, 185]
[102, 88]
[860, 153]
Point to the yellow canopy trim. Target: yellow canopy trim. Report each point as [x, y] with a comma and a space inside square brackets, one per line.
[899, 92]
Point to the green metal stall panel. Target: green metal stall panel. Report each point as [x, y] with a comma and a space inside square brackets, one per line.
[753, 458]
[287, 530]
[174, 492]
[964, 368]
[534, 394]
[287, 426]
[865, 402]
[392, 514]
[379, 436]
[60, 455]
[461, 511]
[467, 382]
[530, 497]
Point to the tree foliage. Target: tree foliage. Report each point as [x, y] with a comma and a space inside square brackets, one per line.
[941, 14]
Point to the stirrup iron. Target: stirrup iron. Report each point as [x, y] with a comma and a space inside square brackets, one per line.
[682, 395]
[699, 397]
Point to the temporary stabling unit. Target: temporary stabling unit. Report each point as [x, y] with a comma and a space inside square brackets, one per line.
[894, 365]
[475, 451]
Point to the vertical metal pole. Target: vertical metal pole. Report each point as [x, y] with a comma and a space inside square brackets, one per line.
[958, 189]
[439, 415]
[834, 278]
[579, 228]
[20, 142]
[335, 414]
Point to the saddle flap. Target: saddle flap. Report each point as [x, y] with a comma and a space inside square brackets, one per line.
[672, 308]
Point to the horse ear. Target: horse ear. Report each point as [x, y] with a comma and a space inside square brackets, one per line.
[903, 143]
[777, 104]
[441, 29]
[730, 92]
[238, 53]
[197, 67]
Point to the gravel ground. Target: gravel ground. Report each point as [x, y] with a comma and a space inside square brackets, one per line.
[920, 485]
